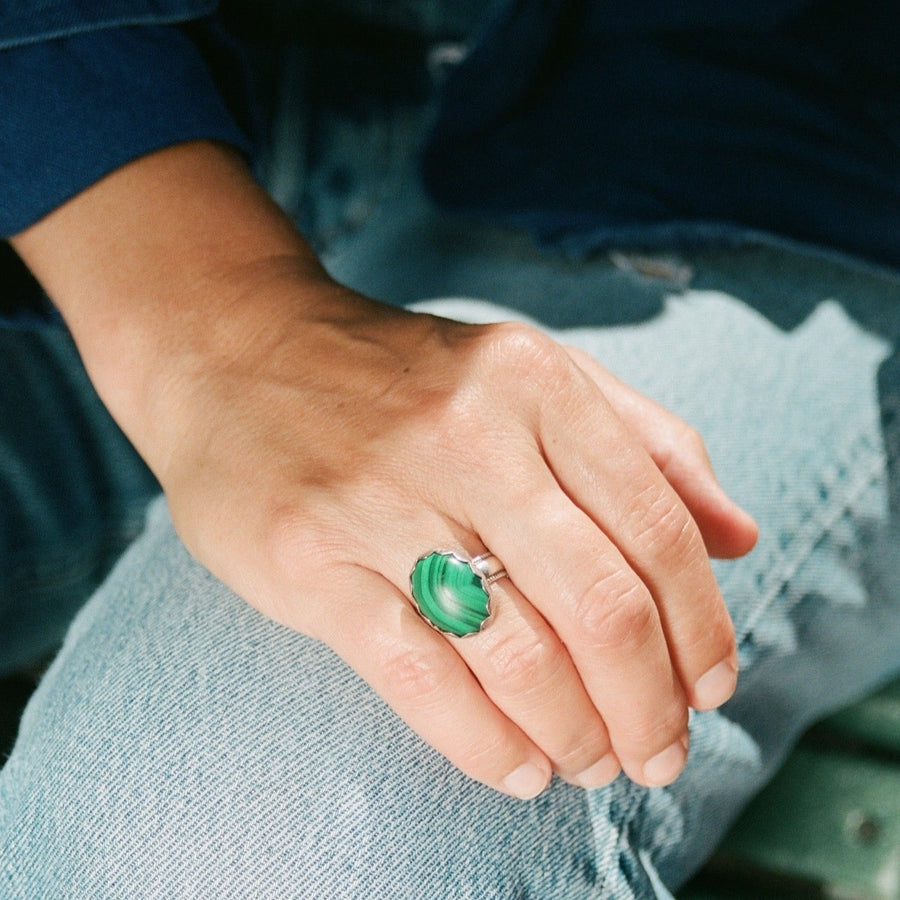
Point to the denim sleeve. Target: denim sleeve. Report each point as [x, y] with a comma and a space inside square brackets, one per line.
[30, 21]
[78, 107]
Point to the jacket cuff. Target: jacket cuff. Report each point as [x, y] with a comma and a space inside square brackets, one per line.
[76, 108]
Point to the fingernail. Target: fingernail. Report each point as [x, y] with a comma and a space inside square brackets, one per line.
[716, 686]
[600, 773]
[526, 782]
[665, 767]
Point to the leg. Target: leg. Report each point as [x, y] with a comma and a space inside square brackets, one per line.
[181, 745]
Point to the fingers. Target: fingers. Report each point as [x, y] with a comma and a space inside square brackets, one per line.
[626, 495]
[524, 668]
[608, 620]
[575, 645]
[528, 673]
[680, 454]
[429, 685]
[602, 545]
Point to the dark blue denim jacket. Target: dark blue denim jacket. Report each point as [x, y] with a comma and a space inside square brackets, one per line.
[585, 122]
[30, 21]
[27, 21]
[87, 87]
[603, 123]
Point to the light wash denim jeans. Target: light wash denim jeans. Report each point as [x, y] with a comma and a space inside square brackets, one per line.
[181, 745]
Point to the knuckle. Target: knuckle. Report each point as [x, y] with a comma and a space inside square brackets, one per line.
[692, 441]
[681, 440]
[291, 536]
[416, 677]
[520, 664]
[577, 755]
[713, 638]
[664, 527]
[521, 349]
[649, 735]
[661, 731]
[642, 729]
[616, 611]
[490, 759]
[281, 541]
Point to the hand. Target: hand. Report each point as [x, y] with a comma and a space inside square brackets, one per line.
[313, 444]
[313, 471]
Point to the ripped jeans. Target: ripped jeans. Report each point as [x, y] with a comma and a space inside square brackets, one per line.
[182, 745]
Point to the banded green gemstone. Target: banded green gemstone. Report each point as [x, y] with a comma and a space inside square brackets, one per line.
[450, 594]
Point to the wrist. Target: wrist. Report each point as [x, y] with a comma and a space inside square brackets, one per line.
[171, 265]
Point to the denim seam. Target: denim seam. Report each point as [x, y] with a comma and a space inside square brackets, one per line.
[58, 27]
[866, 464]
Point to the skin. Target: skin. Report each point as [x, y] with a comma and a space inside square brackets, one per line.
[313, 443]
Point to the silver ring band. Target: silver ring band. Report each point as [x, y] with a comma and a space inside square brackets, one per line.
[490, 567]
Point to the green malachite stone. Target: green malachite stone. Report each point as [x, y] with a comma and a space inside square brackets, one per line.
[450, 594]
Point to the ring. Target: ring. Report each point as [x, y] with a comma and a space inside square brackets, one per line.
[452, 593]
